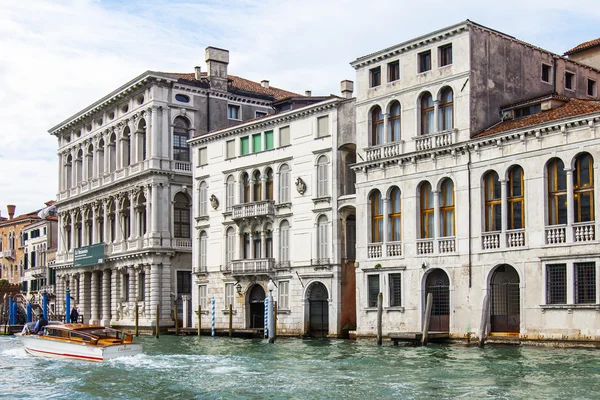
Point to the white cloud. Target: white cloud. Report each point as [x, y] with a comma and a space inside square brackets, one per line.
[57, 57]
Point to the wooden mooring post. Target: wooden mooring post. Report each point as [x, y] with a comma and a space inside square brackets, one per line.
[379, 319]
[157, 319]
[230, 320]
[275, 317]
[176, 319]
[427, 318]
[136, 314]
[199, 319]
[485, 311]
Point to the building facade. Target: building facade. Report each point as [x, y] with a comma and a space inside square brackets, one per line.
[274, 199]
[469, 213]
[125, 181]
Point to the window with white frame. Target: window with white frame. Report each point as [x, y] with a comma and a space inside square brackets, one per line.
[284, 242]
[284, 295]
[585, 282]
[230, 149]
[203, 297]
[284, 184]
[230, 245]
[230, 193]
[203, 250]
[372, 290]
[284, 136]
[322, 238]
[203, 199]
[556, 284]
[202, 156]
[395, 285]
[322, 179]
[233, 111]
[259, 114]
[228, 295]
[323, 126]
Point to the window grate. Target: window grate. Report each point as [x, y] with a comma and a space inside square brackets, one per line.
[585, 282]
[556, 284]
[373, 289]
[395, 290]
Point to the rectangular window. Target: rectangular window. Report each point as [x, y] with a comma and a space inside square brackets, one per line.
[425, 61]
[546, 73]
[233, 111]
[585, 283]
[142, 286]
[230, 150]
[569, 80]
[323, 126]
[184, 282]
[202, 298]
[256, 143]
[245, 145]
[395, 290]
[372, 290]
[268, 140]
[445, 55]
[284, 296]
[260, 114]
[203, 156]
[375, 77]
[228, 295]
[556, 284]
[591, 88]
[393, 71]
[284, 136]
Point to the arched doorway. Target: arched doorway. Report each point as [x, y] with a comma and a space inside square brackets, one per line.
[318, 314]
[438, 284]
[505, 300]
[256, 301]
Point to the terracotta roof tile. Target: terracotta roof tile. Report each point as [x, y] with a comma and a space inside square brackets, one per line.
[573, 108]
[243, 84]
[583, 46]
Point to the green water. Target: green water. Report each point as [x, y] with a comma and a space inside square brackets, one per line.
[206, 368]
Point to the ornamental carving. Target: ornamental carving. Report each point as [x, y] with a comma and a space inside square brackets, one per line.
[300, 186]
[214, 202]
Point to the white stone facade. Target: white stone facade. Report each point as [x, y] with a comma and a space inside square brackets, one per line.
[270, 203]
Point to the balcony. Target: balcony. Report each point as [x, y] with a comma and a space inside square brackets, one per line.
[9, 253]
[435, 140]
[258, 266]
[425, 246]
[257, 209]
[374, 250]
[584, 232]
[202, 270]
[556, 234]
[384, 151]
[183, 166]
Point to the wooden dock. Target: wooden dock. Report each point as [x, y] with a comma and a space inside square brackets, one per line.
[239, 333]
[416, 337]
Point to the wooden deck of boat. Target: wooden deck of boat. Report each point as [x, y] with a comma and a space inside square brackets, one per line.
[416, 337]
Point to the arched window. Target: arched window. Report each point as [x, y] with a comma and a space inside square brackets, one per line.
[583, 188]
[284, 241]
[376, 204]
[230, 246]
[100, 157]
[394, 122]
[257, 186]
[230, 192]
[322, 239]
[90, 163]
[79, 166]
[142, 141]
[394, 218]
[493, 202]
[126, 146]
[426, 202]
[245, 185]
[376, 126]
[268, 230]
[181, 151]
[284, 184]
[69, 172]
[322, 181]
[269, 183]
[203, 197]
[112, 153]
[350, 183]
[112, 221]
[445, 111]
[125, 213]
[447, 209]
[516, 198]
[141, 214]
[427, 110]
[557, 192]
[181, 218]
[78, 230]
[203, 250]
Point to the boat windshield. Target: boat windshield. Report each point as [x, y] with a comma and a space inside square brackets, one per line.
[102, 333]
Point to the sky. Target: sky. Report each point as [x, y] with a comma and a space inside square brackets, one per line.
[57, 57]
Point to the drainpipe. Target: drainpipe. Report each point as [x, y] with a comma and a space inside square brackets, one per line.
[469, 222]
[207, 112]
[554, 76]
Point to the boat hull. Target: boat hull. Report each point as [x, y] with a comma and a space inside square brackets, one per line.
[45, 347]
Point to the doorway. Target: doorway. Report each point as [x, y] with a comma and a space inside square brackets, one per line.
[438, 284]
[505, 300]
[256, 300]
[318, 314]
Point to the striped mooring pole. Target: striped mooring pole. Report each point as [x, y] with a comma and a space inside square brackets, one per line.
[212, 310]
[266, 330]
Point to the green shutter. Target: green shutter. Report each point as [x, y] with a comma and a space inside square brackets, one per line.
[268, 140]
[245, 145]
[256, 143]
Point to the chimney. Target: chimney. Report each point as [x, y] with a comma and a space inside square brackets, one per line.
[307, 93]
[197, 72]
[264, 83]
[347, 88]
[217, 61]
[11, 211]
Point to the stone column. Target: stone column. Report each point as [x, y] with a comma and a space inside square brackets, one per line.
[153, 129]
[503, 211]
[94, 223]
[60, 173]
[72, 231]
[384, 237]
[105, 222]
[154, 290]
[570, 206]
[106, 297]
[154, 206]
[251, 197]
[132, 220]
[94, 291]
[167, 149]
[263, 180]
[436, 214]
[114, 295]
[83, 298]
[133, 143]
[106, 154]
[132, 292]
[146, 290]
[386, 117]
[84, 167]
[61, 236]
[436, 118]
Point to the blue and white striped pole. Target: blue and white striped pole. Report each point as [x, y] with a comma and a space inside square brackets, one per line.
[68, 305]
[11, 312]
[266, 329]
[212, 310]
[29, 312]
[45, 304]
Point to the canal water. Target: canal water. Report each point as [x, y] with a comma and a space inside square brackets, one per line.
[222, 368]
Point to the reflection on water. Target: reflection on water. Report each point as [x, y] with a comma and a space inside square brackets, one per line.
[206, 368]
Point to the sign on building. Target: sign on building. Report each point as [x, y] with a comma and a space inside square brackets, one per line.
[89, 255]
